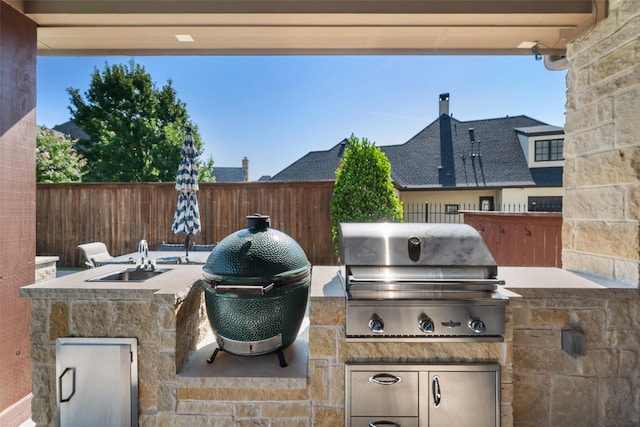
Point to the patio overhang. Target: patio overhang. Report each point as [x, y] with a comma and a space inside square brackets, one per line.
[246, 27]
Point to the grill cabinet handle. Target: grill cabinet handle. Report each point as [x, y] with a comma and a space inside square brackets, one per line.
[73, 384]
[384, 379]
[435, 390]
[383, 423]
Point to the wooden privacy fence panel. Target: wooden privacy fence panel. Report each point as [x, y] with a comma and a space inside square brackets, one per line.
[121, 214]
[520, 239]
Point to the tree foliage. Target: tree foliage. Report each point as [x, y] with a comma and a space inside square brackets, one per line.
[56, 159]
[363, 191]
[205, 171]
[135, 129]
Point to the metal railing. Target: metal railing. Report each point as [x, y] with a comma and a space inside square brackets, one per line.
[453, 213]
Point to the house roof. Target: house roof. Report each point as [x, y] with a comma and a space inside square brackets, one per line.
[71, 129]
[228, 174]
[314, 166]
[442, 156]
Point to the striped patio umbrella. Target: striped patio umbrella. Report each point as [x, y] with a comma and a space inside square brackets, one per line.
[186, 219]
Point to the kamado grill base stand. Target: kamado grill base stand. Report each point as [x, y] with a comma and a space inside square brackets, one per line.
[281, 359]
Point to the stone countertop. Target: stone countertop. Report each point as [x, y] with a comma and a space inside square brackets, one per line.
[174, 281]
[325, 282]
[46, 259]
[544, 277]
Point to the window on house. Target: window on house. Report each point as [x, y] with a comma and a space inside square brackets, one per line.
[451, 208]
[545, 204]
[549, 150]
[486, 203]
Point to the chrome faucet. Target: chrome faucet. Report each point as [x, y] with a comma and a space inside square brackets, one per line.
[143, 247]
[144, 263]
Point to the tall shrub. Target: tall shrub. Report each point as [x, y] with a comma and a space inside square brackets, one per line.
[56, 159]
[363, 191]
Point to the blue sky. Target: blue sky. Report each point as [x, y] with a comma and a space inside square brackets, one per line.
[275, 109]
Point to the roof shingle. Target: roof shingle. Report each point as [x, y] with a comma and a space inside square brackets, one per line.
[442, 156]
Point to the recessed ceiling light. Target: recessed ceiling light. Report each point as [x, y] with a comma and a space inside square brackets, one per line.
[527, 45]
[184, 37]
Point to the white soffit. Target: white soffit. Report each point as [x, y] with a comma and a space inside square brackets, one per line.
[141, 27]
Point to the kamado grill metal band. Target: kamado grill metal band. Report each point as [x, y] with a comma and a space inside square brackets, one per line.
[255, 285]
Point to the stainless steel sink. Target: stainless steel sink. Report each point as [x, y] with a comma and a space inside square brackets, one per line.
[129, 275]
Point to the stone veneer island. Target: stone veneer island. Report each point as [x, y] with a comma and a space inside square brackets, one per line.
[177, 387]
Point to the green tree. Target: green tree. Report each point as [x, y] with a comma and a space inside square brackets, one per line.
[135, 129]
[56, 159]
[205, 171]
[363, 191]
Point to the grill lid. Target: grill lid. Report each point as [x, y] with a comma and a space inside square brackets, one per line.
[256, 255]
[413, 244]
[395, 260]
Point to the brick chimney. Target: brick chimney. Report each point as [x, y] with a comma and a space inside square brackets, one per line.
[444, 104]
[245, 168]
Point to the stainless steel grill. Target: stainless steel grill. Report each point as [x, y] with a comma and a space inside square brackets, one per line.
[415, 282]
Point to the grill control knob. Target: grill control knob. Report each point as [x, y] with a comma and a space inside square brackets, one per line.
[477, 326]
[425, 324]
[376, 324]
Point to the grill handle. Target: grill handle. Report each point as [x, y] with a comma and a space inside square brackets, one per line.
[384, 379]
[435, 390]
[244, 289]
[383, 423]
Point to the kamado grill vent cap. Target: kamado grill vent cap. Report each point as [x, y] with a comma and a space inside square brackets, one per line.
[258, 221]
[255, 255]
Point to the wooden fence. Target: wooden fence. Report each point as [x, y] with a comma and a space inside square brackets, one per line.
[121, 214]
[532, 239]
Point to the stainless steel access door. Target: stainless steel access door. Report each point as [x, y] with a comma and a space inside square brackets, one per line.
[462, 398]
[97, 382]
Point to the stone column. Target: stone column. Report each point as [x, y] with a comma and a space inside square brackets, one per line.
[601, 228]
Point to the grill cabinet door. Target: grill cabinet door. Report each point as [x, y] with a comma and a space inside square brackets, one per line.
[384, 393]
[462, 398]
[96, 382]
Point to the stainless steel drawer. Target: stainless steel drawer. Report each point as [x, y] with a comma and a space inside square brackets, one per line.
[384, 422]
[434, 395]
[384, 393]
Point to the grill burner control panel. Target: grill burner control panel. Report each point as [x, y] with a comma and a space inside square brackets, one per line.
[423, 319]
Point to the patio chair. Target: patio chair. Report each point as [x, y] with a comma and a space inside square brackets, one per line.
[95, 254]
[203, 248]
[175, 247]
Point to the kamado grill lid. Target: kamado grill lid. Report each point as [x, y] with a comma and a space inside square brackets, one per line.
[255, 255]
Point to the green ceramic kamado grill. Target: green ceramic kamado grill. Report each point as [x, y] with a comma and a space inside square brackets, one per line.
[256, 287]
